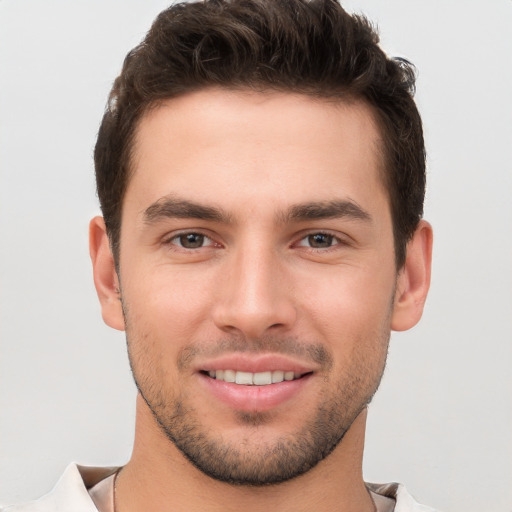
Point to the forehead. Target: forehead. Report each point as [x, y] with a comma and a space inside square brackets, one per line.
[226, 146]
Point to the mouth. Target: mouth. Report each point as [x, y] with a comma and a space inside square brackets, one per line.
[256, 382]
[264, 378]
[255, 391]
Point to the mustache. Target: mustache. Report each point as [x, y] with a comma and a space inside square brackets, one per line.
[314, 352]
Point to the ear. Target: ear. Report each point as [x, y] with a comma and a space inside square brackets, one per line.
[413, 280]
[105, 276]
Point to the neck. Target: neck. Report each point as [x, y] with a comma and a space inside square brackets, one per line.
[159, 477]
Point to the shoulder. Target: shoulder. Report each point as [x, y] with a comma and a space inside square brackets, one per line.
[70, 492]
[404, 501]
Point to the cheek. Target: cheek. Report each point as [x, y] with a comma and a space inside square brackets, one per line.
[171, 292]
[350, 299]
[168, 302]
[352, 315]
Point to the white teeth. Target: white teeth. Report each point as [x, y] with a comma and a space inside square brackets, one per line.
[262, 379]
[243, 378]
[249, 379]
[229, 375]
[277, 376]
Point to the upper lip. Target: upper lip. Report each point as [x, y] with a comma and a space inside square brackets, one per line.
[255, 363]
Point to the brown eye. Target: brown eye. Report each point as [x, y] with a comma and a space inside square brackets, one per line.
[320, 240]
[190, 240]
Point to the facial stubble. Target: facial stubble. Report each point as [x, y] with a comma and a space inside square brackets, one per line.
[249, 461]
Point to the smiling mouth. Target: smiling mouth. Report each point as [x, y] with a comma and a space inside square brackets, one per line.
[254, 379]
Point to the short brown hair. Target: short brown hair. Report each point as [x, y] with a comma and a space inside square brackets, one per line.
[312, 47]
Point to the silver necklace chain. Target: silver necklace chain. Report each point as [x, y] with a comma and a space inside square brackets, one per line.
[114, 489]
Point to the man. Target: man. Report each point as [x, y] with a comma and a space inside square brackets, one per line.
[261, 173]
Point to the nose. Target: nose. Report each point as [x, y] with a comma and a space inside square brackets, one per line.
[254, 296]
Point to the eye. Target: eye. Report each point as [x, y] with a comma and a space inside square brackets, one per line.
[191, 240]
[319, 241]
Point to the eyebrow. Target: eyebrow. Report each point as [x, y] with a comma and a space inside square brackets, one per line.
[171, 207]
[319, 210]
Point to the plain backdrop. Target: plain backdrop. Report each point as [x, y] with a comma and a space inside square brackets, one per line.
[442, 420]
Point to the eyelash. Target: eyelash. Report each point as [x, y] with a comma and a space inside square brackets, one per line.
[334, 240]
[177, 236]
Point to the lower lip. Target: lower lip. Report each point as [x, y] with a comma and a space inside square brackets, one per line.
[254, 398]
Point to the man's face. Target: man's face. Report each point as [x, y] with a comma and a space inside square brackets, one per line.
[256, 246]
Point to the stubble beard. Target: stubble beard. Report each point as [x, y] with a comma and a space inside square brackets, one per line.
[247, 462]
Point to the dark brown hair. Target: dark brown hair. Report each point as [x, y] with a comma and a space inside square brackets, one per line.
[311, 47]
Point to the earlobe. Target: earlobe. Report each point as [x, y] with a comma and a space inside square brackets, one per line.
[413, 280]
[105, 276]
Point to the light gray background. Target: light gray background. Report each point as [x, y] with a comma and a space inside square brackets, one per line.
[442, 421]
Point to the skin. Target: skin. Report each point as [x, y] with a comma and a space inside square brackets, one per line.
[265, 279]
